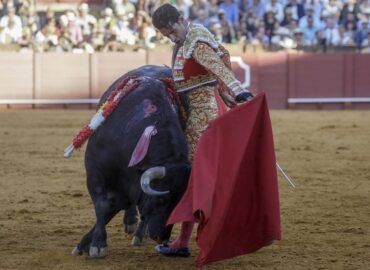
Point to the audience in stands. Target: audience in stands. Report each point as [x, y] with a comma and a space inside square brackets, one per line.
[122, 24]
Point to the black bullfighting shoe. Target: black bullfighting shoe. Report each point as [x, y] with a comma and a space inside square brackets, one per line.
[166, 250]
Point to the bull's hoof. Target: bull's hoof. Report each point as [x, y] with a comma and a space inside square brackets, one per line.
[96, 252]
[136, 241]
[130, 229]
[76, 251]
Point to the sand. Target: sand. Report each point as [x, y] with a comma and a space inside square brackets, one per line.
[45, 206]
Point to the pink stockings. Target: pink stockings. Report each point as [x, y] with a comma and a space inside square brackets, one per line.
[183, 240]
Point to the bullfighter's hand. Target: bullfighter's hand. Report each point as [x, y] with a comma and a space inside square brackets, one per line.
[244, 96]
[228, 99]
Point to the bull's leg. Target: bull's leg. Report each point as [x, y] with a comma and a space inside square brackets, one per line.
[105, 210]
[140, 233]
[95, 241]
[130, 220]
[84, 244]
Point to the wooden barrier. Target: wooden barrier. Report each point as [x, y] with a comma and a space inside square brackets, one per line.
[105, 68]
[282, 76]
[16, 75]
[269, 74]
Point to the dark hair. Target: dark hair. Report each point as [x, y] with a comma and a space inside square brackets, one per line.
[165, 16]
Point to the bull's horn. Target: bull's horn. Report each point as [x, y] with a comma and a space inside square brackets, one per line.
[148, 176]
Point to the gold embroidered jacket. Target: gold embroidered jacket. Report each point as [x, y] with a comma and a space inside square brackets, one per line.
[203, 61]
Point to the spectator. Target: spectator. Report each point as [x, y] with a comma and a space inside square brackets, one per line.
[146, 32]
[231, 11]
[154, 4]
[11, 16]
[228, 34]
[2, 9]
[123, 33]
[288, 17]
[333, 8]
[213, 9]
[249, 25]
[25, 42]
[25, 11]
[298, 38]
[310, 33]
[317, 6]
[216, 30]
[202, 18]
[282, 38]
[365, 45]
[230, 20]
[350, 7]
[197, 5]
[270, 23]
[350, 18]
[6, 4]
[74, 29]
[348, 34]
[260, 39]
[32, 24]
[257, 7]
[331, 33]
[183, 7]
[296, 8]
[362, 33]
[86, 21]
[46, 39]
[43, 18]
[107, 20]
[105, 26]
[309, 14]
[292, 27]
[365, 8]
[123, 7]
[141, 5]
[10, 33]
[277, 9]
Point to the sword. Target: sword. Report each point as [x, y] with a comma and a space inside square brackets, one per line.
[285, 175]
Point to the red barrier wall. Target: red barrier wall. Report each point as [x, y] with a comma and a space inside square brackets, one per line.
[269, 73]
[280, 75]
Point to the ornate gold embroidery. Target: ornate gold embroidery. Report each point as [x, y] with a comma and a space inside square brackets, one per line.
[194, 82]
[191, 83]
[208, 58]
[225, 57]
[198, 33]
[202, 110]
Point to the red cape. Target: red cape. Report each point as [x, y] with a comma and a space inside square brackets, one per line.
[233, 190]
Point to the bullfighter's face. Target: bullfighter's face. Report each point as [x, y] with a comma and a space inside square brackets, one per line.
[176, 32]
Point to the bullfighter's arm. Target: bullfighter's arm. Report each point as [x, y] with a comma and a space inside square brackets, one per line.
[210, 60]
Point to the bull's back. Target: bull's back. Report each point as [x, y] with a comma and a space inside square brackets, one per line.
[145, 106]
[156, 72]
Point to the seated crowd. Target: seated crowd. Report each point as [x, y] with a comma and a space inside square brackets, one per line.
[269, 24]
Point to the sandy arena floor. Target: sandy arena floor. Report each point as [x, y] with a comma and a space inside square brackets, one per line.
[45, 206]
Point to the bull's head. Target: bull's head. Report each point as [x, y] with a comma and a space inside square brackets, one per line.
[170, 182]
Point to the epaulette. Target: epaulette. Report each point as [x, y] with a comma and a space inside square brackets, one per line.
[198, 33]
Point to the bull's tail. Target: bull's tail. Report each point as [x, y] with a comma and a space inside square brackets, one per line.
[121, 90]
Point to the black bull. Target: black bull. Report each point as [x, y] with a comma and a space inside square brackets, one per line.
[113, 185]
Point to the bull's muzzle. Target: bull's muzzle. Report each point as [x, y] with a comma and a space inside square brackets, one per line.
[149, 175]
